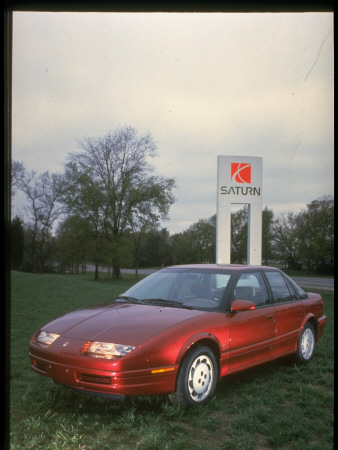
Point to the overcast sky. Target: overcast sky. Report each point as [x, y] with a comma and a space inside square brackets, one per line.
[202, 84]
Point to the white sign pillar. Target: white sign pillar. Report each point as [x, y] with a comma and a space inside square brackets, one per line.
[239, 180]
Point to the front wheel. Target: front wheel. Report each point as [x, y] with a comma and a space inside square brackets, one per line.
[306, 343]
[197, 378]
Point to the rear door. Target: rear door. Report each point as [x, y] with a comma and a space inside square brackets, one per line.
[289, 313]
[252, 333]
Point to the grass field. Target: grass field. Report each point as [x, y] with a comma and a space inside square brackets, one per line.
[279, 405]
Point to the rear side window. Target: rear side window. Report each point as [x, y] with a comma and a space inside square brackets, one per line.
[299, 293]
[280, 290]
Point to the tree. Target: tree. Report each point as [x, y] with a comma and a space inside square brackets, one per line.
[197, 244]
[267, 235]
[152, 201]
[239, 235]
[316, 234]
[44, 194]
[181, 248]
[18, 175]
[203, 239]
[17, 244]
[75, 244]
[110, 182]
[287, 240]
[155, 248]
[84, 198]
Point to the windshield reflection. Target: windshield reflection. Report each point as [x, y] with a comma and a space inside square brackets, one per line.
[193, 289]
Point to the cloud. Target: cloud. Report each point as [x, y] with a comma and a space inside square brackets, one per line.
[202, 84]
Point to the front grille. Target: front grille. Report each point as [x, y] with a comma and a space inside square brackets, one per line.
[97, 379]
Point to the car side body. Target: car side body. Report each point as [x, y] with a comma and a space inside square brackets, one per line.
[212, 321]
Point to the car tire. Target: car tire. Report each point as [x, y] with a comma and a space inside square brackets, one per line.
[197, 378]
[306, 344]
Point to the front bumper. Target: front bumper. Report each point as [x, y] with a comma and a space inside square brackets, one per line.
[321, 326]
[114, 384]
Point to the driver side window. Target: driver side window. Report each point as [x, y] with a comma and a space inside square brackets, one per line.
[251, 286]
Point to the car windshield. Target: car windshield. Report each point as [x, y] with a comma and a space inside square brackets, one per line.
[187, 288]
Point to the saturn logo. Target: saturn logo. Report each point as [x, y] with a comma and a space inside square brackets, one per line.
[241, 172]
[65, 344]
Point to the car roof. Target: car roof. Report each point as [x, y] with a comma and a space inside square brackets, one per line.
[234, 267]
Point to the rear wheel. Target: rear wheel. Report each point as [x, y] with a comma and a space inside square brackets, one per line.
[197, 378]
[306, 343]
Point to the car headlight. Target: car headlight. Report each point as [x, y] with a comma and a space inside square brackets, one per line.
[47, 338]
[108, 350]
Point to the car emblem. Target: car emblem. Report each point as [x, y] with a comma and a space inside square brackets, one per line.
[241, 172]
[65, 344]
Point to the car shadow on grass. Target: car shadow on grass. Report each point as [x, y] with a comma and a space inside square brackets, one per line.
[260, 374]
[63, 399]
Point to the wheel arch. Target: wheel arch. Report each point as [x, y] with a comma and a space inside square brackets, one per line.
[207, 340]
[183, 394]
[310, 318]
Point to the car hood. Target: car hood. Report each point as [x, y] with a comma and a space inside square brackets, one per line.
[128, 324]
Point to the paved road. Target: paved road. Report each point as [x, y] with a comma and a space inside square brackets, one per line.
[140, 271]
[316, 283]
[91, 268]
[304, 282]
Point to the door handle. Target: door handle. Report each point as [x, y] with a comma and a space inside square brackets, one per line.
[269, 317]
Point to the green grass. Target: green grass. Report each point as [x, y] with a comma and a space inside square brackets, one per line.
[279, 405]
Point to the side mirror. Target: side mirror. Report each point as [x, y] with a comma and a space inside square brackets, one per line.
[242, 305]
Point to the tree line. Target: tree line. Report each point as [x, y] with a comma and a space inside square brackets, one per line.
[107, 207]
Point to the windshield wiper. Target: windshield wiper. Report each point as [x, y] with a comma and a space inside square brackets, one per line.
[129, 299]
[165, 302]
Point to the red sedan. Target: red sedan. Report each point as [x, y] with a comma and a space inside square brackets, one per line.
[179, 330]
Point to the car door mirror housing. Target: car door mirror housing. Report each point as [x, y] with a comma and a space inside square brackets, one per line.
[242, 305]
